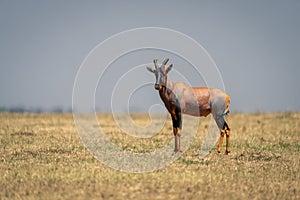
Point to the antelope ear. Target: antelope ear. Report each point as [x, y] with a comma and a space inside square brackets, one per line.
[150, 69]
[169, 68]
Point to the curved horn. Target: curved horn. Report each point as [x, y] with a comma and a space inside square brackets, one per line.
[164, 63]
[155, 63]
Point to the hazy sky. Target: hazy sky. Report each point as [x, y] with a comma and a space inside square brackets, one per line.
[255, 45]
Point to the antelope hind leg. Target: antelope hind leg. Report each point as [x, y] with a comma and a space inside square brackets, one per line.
[227, 142]
[221, 141]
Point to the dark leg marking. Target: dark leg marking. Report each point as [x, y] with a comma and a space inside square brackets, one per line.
[177, 126]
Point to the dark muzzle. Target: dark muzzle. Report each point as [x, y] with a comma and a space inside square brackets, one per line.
[156, 86]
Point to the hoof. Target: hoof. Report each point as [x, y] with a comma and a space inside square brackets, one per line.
[227, 152]
[176, 153]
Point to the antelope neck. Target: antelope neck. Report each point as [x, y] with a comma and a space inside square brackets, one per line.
[168, 88]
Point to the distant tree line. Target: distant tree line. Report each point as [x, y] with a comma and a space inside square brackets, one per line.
[23, 109]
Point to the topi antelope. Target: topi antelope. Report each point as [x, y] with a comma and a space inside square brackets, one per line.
[179, 98]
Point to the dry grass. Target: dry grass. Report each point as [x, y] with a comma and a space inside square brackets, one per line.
[42, 157]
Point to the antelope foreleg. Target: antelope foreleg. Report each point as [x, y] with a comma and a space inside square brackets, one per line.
[179, 142]
[175, 138]
[177, 125]
[221, 141]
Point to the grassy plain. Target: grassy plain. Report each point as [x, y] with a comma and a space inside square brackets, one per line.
[42, 157]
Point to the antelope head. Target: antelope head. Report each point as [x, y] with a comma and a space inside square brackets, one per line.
[160, 73]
